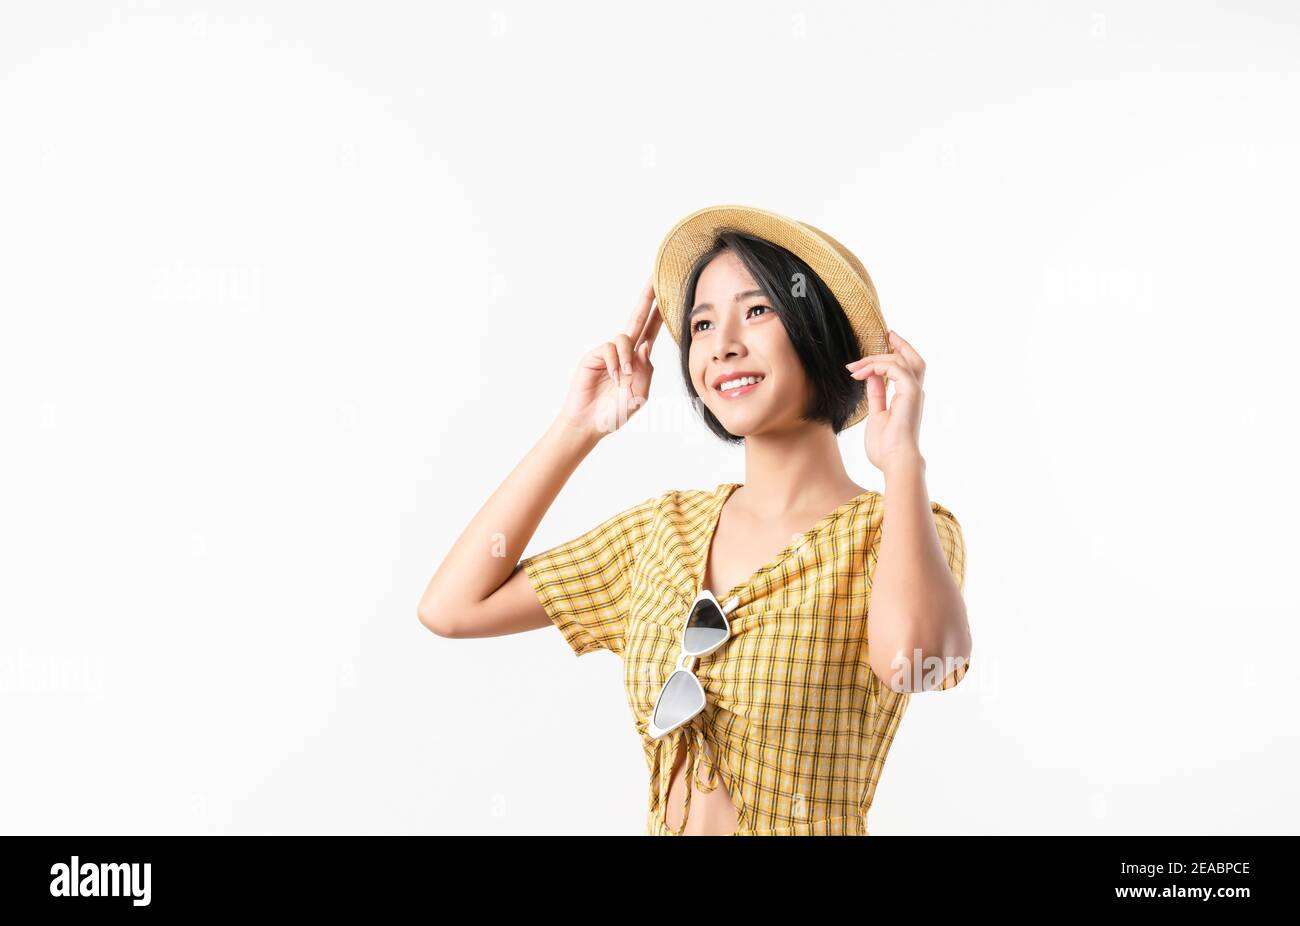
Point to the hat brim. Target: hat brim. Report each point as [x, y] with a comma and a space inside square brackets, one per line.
[837, 266]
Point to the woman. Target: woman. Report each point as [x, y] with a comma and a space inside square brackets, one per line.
[783, 348]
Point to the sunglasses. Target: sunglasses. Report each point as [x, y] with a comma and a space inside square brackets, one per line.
[682, 696]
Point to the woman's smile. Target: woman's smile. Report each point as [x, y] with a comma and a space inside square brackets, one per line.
[736, 385]
[739, 391]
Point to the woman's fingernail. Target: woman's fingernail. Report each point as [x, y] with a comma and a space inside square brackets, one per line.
[627, 366]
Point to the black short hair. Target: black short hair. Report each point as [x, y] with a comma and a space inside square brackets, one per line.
[821, 333]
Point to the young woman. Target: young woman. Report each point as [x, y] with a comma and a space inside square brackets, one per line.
[804, 697]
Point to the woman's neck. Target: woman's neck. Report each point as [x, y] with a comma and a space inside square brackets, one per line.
[795, 472]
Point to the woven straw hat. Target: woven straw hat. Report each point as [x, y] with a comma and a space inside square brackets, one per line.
[838, 268]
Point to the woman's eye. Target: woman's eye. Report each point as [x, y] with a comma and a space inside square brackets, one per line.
[705, 321]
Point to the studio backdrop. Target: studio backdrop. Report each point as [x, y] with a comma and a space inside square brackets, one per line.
[289, 290]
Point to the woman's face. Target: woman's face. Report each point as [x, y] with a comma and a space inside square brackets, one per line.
[735, 333]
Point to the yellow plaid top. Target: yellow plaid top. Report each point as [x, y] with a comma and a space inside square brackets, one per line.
[795, 714]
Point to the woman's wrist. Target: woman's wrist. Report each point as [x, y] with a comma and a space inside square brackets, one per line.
[573, 437]
[903, 464]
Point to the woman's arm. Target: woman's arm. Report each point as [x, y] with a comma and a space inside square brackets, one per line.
[917, 610]
[462, 598]
[917, 615]
[476, 591]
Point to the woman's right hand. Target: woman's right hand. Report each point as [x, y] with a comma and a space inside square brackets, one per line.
[613, 379]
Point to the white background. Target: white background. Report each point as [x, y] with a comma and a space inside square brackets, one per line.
[289, 289]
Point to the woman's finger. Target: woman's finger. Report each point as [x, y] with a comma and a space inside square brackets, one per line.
[854, 364]
[891, 369]
[641, 383]
[646, 344]
[909, 353]
[623, 347]
[652, 325]
[875, 395]
[636, 323]
[894, 357]
[609, 353]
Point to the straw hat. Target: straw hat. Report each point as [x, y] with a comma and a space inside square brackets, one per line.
[838, 268]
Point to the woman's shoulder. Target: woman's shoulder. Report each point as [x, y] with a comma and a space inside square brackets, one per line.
[685, 500]
[872, 510]
[692, 505]
[696, 495]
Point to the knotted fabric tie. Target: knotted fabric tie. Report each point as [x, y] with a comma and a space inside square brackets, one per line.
[698, 753]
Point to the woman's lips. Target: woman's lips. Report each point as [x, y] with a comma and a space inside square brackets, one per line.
[741, 390]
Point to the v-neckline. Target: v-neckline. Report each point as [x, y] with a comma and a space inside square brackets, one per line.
[707, 555]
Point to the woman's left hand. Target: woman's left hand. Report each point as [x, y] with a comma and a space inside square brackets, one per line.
[893, 433]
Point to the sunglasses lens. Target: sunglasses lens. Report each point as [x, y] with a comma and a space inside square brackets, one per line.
[681, 699]
[706, 628]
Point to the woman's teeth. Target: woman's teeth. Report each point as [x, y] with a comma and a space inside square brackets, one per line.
[737, 383]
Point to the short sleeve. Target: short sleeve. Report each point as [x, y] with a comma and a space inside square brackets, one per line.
[583, 584]
[954, 550]
[950, 538]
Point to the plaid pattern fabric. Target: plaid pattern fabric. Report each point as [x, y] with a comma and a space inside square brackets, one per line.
[798, 721]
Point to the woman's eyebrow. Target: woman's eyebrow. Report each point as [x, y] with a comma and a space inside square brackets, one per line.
[739, 296]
